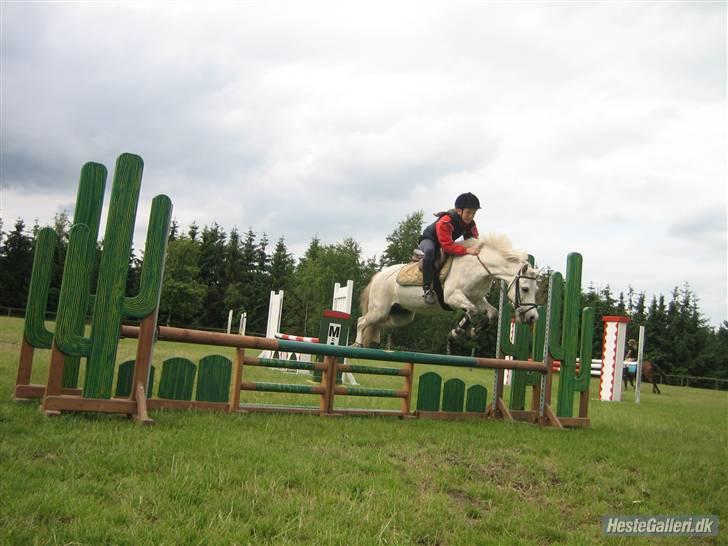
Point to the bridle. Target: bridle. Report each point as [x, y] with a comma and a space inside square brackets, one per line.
[517, 282]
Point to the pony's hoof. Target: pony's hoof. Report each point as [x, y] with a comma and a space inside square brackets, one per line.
[355, 344]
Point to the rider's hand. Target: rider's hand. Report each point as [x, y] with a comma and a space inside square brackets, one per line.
[473, 251]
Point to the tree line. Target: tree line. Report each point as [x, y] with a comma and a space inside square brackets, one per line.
[210, 271]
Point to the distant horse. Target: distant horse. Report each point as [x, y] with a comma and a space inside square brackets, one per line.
[649, 373]
[384, 302]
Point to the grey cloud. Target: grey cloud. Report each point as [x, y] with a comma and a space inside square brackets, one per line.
[705, 222]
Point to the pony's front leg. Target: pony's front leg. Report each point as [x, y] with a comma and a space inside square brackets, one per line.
[458, 300]
[484, 306]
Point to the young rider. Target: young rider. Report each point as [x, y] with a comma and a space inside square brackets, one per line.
[442, 233]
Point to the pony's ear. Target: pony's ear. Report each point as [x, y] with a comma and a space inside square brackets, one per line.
[524, 269]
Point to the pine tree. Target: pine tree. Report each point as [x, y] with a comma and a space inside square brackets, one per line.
[16, 262]
[212, 272]
[282, 266]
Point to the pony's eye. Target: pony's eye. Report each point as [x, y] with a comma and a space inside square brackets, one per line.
[524, 289]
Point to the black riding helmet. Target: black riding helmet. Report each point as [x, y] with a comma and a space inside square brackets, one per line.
[467, 201]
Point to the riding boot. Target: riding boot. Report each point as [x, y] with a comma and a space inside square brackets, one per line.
[428, 293]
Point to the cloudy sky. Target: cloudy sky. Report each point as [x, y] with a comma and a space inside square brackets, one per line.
[590, 127]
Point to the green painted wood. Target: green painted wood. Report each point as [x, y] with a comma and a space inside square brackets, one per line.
[556, 286]
[374, 370]
[155, 250]
[286, 364]
[71, 371]
[35, 330]
[213, 380]
[585, 349]
[71, 308]
[453, 395]
[428, 392]
[367, 391]
[113, 273]
[570, 335]
[89, 202]
[519, 378]
[284, 387]
[125, 378]
[507, 346]
[178, 379]
[477, 399]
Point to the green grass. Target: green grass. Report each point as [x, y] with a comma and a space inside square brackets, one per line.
[213, 478]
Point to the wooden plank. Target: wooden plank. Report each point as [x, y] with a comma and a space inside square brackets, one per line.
[551, 417]
[237, 379]
[584, 404]
[253, 408]
[145, 349]
[451, 416]
[55, 403]
[504, 411]
[55, 379]
[407, 401]
[141, 416]
[25, 363]
[575, 422]
[328, 382]
[453, 395]
[525, 415]
[163, 403]
[28, 392]
[371, 412]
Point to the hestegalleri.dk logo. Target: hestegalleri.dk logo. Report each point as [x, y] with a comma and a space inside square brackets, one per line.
[660, 525]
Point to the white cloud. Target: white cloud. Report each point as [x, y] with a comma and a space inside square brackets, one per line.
[597, 127]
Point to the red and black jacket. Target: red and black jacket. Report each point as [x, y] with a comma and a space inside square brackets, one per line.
[448, 227]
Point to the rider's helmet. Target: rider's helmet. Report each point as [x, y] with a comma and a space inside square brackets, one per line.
[467, 201]
[632, 343]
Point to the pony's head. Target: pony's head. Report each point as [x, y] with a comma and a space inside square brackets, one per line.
[522, 293]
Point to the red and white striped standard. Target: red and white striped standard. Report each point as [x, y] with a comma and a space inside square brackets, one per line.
[615, 331]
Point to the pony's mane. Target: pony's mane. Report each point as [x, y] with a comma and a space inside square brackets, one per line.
[501, 244]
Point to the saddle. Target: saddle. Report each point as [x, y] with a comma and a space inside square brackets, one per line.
[411, 274]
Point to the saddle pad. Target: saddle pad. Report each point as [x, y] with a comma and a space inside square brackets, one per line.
[410, 275]
[631, 368]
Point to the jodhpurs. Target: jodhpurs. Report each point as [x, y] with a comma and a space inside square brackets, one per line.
[429, 247]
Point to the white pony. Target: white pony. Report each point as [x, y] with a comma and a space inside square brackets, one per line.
[384, 302]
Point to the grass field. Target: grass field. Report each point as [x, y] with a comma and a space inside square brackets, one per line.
[206, 478]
